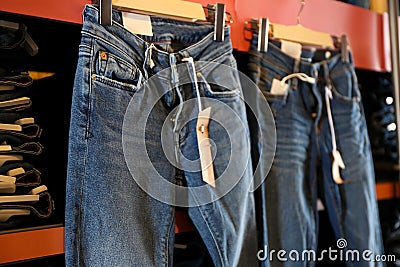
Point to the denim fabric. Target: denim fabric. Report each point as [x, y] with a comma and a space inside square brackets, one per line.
[302, 168]
[110, 220]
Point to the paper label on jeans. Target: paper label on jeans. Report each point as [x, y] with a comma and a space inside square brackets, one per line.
[6, 87]
[4, 147]
[291, 49]
[320, 205]
[10, 127]
[38, 190]
[206, 160]
[16, 171]
[139, 24]
[6, 178]
[278, 88]
[25, 121]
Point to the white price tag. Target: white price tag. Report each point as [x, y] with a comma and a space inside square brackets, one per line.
[278, 88]
[139, 24]
[206, 160]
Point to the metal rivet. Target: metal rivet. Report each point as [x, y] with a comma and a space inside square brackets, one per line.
[202, 128]
[327, 54]
[103, 55]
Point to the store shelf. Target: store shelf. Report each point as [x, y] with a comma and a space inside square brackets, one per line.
[387, 190]
[29, 243]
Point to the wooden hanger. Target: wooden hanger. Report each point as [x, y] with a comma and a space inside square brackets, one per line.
[264, 30]
[300, 34]
[175, 9]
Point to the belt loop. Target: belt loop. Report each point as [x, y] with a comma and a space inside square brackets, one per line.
[327, 77]
[294, 82]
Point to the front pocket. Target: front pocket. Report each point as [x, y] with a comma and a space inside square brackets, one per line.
[220, 86]
[116, 71]
[344, 84]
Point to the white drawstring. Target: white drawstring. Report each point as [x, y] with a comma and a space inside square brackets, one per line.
[337, 158]
[148, 59]
[302, 76]
[328, 96]
[191, 62]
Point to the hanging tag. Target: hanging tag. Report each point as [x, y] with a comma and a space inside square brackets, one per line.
[16, 171]
[139, 24]
[278, 88]
[206, 160]
[38, 190]
[25, 121]
[10, 127]
[5, 147]
[291, 49]
[337, 164]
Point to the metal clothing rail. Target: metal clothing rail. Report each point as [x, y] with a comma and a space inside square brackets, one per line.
[365, 29]
[395, 59]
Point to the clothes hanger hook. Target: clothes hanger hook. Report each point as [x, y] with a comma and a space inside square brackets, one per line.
[303, 3]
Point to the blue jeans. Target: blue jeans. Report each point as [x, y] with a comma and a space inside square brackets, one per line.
[360, 3]
[302, 168]
[110, 220]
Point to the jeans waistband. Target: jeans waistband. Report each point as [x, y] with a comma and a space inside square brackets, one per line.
[308, 61]
[198, 37]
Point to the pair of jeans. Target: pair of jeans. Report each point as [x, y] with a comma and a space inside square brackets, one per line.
[20, 146]
[110, 219]
[14, 88]
[28, 132]
[42, 209]
[360, 3]
[15, 46]
[302, 168]
[10, 117]
[30, 178]
[15, 77]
